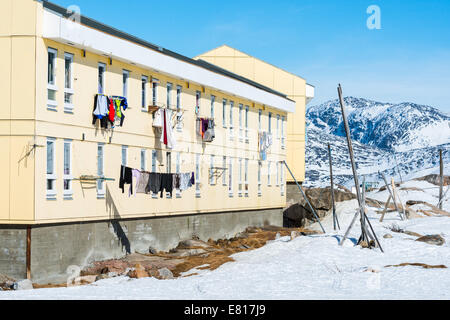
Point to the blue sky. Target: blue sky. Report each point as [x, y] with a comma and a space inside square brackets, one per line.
[325, 41]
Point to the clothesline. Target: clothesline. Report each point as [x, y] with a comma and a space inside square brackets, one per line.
[152, 182]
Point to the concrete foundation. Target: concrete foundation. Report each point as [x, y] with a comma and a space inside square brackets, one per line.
[57, 249]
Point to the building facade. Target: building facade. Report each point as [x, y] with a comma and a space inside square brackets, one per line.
[61, 204]
[295, 87]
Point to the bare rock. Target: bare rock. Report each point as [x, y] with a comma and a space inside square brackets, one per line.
[436, 240]
[165, 274]
[101, 277]
[193, 244]
[152, 250]
[138, 272]
[295, 234]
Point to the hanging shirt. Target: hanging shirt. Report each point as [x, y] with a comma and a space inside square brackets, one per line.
[167, 136]
[154, 183]
[157, 121]
[136, 174]
[141, 186]
[101, 106]
[126, 177]
[166, 183]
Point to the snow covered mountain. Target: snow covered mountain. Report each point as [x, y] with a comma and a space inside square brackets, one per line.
[402, 140]
[393, 127]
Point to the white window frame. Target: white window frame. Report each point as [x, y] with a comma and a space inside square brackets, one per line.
[213, 100]
[247, 112]
[125, 81]
[283, 179]
[143, 160]
[283, 132]
[278, 127]
[125, 156]
[224, 113]
[269, 180]
[211, 171]
[102, 87]
[198, 99]
[52, 105]
[241, 182]
[259, 178]
[277, 164]
[230, 177]
[169, 88]
[241, 125]
[224, 175]
[101, 191]
[198, 171]
[68, 89]
[269, 128]
[179, 109]
[51, 193]
[231, 121]
[68, 193]
[155, 83]
[155, 168]
[144, 82]
[246, 184]
[168, 170]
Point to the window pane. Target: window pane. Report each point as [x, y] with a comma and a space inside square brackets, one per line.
[144, 91]
[101, 77]
[51, 67]
[50, 146]
[51, 95]
[67, 158]
[68, 72]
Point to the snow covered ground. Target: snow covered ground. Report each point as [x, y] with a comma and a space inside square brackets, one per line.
[313, 267]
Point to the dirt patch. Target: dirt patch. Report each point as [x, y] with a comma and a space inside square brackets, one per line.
[425, 266]
[435, 179]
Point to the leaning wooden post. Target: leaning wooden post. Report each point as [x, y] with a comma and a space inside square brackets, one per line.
[355, 174]
[335, 218]
[392, 195]
[304, 196]
[441, 182]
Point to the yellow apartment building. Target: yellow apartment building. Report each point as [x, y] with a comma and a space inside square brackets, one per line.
[60, 200]
[295, 87]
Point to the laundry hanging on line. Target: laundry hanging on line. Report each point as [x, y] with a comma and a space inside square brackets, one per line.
[205, 129]
[150, 182]
[265, 140]
[109, 110]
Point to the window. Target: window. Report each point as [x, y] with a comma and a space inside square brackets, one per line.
[100, 171]
[198, 96]
[144, 82]
[231, 120]
[269, 183]
[224, 166]
[51, 80]
[155, 92]
[224, 113]
[179, 111]
[154, 170]
[211, 172]
[278, 174]
[101, 77]
[259, 179]
[260, 119]
[240, 179]
[283, 132]
[230, 177]
[67, 175]
[246, 178]
[278, 127]
[168, 169]
[270, 122]
[246, 123]
[283, 179]
[241, 129]
[213, 99]
[124, 155]
[51, 176]
[143, 162]
[197, 176]
[169, 95]
[68, 83]
[125, 76]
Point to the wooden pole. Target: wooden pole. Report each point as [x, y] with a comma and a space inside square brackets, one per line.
[305, 197]
[392, 195]
[355, 174]
[335, 218]
[441, 182]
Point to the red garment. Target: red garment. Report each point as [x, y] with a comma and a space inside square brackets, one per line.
[165, 127]
[112, 110]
